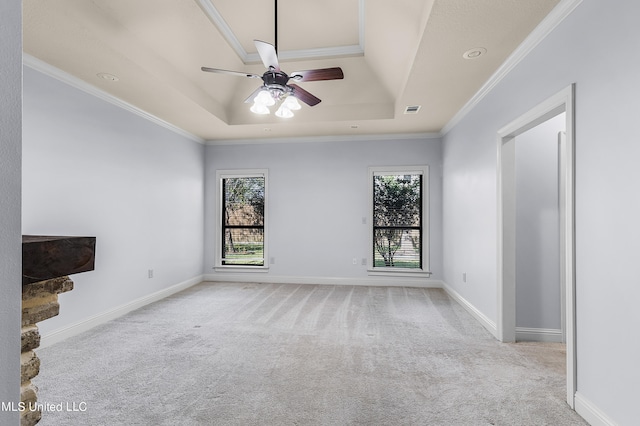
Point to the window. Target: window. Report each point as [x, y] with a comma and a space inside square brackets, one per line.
[242, 218]
[399, 225]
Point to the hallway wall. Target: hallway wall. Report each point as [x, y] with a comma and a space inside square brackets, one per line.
[10, 238]
[591, 48]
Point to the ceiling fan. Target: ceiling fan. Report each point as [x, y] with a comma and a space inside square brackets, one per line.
[275, 86]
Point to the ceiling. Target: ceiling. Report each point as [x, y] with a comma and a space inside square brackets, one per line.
[394, 54]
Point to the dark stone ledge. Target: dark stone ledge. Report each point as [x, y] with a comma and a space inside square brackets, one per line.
[47, 257]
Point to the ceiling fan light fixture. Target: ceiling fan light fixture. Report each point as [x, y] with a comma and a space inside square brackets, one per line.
[264, 98]
[284, 112]
[291, 103]
[258, 108]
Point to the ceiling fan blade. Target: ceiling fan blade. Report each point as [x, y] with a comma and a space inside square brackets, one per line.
[237, 73]
[304, 96]
[268, 54]
[318, 75]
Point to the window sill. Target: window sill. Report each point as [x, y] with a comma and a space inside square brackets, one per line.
[230, 268]
[399, 273]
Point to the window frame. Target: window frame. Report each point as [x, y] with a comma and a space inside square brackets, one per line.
[422, 170]
[240, 173]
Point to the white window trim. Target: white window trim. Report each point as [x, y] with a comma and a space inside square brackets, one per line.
[401, 170]
[240, 173]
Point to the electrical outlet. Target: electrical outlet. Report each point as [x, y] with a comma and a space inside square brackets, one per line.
[150, 273]
[464, 277]
[355, 261]
[363, 261]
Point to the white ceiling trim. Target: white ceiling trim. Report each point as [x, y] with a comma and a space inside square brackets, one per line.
[249, 58]
[77, 83]
[335, 138]
[223, 27]
[322, 52]
[548, 24]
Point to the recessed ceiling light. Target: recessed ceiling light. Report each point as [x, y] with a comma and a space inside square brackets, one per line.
[474, 53]
[108, 77]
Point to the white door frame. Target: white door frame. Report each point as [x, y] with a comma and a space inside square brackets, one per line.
[506, 325]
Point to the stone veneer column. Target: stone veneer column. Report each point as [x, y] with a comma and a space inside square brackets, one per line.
[39, 302]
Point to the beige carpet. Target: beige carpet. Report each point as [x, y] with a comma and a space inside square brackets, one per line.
[265, 354]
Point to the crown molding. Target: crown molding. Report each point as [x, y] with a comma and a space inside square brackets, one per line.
[322, 139]
[286, 55]
[546, 26]
[216, 18]
[58, 74]
[322, 52]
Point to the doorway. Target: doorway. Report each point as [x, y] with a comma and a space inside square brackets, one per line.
[560, 103]
[539, 290]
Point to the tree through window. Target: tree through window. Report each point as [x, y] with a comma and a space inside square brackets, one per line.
[243, 212]
[397, 219]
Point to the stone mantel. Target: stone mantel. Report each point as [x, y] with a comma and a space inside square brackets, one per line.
[46, 263]
[47, 257]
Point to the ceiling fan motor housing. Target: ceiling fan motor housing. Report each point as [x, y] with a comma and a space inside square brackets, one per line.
[276, 83]
[275, 78]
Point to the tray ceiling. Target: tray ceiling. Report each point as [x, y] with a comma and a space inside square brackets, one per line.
[393, 54]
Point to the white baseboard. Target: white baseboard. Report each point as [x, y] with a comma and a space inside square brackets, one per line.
[592, 414]
[482, 318]
[382, 281]
[86, 324]
[524, 334]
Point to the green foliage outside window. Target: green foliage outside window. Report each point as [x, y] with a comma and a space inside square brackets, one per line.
[243, 221]
[397, 233]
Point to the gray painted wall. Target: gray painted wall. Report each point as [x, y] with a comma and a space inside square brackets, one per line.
[538, 227]
[593, 48]
[318, 195]
[91, 168]
[10, 237]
